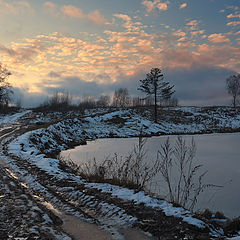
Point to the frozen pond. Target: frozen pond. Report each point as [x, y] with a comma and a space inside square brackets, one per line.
[219, 154]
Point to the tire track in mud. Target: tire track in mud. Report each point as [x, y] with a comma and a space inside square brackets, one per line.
[22, 215]
[74, 200]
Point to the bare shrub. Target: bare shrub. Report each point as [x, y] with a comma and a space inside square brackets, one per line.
[103, 101]
[132, 171]
[186, 185]
[60, 101]
[176, 164]
[220, 215]
[233, 226]
[207, 214]
[233, 87]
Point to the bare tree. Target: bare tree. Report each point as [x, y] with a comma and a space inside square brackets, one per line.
[149, 101]
[172, 102]
[233, 87]
[60, 100]
[136, 102]
[5, 87]
[103, 101]
[153, 84]
[121, 97]
[19, 102]
[88, 102]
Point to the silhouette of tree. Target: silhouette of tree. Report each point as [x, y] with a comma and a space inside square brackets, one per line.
[5, 87]
[103, 101]
[233, 87]
[153, 84]
[121, 97]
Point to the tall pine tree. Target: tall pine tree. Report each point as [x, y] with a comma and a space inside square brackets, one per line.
[153, 84]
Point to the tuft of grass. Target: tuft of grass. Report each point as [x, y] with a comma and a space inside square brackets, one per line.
[135, 172]
[220, 215]
[132, 171]
[207, 214]
[233, 226]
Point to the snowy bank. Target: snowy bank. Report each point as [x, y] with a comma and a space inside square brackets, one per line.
[38, 146]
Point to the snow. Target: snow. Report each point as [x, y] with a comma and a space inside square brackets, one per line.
[33, 146]
[23, 148]
[142, 198]
[12, 118]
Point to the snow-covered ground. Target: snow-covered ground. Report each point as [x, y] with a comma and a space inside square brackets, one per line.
[129, 123]
[36, 146]
[12, 118]
[23, 148]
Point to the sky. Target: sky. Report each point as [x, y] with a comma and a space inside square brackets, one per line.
[92, 47]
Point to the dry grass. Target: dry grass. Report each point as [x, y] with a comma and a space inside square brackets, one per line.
[135, 172]
[233, 226]
[187, 184]
[132, 171]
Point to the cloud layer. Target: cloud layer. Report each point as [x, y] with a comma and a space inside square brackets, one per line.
[120, 48]
[74, 12]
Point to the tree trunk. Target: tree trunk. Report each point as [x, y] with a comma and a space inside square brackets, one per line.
[155, 106]
[234, 101]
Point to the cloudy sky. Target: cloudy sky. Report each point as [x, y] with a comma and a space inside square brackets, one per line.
[91, 47]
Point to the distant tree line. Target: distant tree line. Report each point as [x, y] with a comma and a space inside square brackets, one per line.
[62, 101]
[158, 92]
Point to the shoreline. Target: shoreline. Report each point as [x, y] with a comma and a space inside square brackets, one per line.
[35, 148]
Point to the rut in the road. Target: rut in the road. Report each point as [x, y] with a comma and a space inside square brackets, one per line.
[22, 217]
[111, 213]
[69, 196]
[72, 196]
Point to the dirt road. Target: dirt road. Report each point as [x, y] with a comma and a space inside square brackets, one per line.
[32, 209]
[39, 204]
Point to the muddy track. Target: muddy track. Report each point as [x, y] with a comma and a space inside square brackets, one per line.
[23, 216]
[74, 198]
[46, 189]
[58, 192]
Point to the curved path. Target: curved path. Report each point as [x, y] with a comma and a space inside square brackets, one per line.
[38, 205]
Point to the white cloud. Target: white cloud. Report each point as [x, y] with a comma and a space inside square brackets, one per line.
[51, 8]
[96, 18]
[183, 5]
[218, 38]
[155, 4]
[16, 7]
[72, 11]
[233, 23]
[233, 16]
